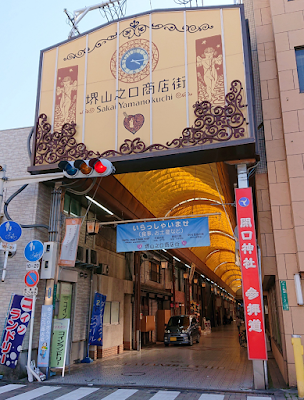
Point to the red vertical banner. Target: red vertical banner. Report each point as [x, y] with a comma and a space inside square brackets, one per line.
[252, 290]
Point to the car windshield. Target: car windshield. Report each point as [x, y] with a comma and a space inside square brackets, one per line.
[181, 322]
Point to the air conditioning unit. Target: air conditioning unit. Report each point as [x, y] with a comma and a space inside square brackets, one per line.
[105, 269]
[80, 257]
[91, 257]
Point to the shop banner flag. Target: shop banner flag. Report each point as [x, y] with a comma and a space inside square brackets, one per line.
[17, 320]
[251, 278]
[45, 336]
[167, 234]
[96, 326]
[70, 242]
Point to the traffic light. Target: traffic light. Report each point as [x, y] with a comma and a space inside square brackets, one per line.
[96, 167]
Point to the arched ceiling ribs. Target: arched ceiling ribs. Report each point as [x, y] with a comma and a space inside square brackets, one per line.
[237, 279]
[212, 252]
[223, 233]
[204, 199]
[236, 268]
[222, 263]
[231, 276]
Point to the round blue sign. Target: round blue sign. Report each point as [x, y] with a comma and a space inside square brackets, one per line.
[244, 202]
[10, 231]
[33, 250]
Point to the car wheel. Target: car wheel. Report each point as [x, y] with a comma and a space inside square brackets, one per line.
[167, 344]
[191, 341]
[198, 338]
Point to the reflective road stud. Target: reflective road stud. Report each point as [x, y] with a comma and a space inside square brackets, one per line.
[298, 355]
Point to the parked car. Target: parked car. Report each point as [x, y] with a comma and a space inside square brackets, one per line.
[182, 329]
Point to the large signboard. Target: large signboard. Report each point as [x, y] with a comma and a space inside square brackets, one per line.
[129, 90]
[252, 289]
[167, 234]
[18, 318]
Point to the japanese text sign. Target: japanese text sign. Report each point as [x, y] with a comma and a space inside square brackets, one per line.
[70, 242]
[19, 314]
[95, 337]
[45, 336]
[59, 342]
[168, 234]
[252, 291]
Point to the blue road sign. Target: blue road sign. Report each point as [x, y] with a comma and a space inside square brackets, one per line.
[33, 250]
[10, 231]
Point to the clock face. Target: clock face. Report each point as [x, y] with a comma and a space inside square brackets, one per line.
[134, 60]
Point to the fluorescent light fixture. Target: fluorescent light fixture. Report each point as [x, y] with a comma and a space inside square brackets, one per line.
[164, 250]
[203, 276]
[99, 205]
[207, 279]
[188, 266]
[299, 294]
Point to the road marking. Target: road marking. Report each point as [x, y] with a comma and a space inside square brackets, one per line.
[32, 394]
[120, 394]
[206, 396]
[165, 395]
[8, 388]
[77, 394]
[258, 398]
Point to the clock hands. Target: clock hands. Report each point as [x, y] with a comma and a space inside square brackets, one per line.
[137, 61]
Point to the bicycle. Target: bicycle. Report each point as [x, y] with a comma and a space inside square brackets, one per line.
[242, 338]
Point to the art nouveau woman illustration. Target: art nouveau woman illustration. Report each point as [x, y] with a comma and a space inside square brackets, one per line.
[66, 96]
[208, 60]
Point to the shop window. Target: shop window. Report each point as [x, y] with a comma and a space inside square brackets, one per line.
[300, 67]
[72, 206]
[154, 272]
[111, 312]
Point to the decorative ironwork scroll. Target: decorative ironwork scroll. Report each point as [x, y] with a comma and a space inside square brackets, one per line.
[136, 30]
[213, 124]
[54, 147]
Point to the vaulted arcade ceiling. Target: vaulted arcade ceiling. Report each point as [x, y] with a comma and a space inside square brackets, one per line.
[194, 190]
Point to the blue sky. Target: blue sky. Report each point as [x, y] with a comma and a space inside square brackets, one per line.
[27, 27]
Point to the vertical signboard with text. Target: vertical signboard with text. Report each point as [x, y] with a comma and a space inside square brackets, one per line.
[252, 290]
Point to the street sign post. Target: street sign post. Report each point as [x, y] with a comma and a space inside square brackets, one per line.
[10, 232]
[31, 278]
[33, 251]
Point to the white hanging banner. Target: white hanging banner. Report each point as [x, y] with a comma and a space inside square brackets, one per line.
[70, 242]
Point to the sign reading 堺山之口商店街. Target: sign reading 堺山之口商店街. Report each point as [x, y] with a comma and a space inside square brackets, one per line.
[153, 101]
[168, 234]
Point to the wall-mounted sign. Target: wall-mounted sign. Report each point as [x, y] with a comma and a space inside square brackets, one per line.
[284, 295]
[167, 234]
[251, 280]
[129, 89]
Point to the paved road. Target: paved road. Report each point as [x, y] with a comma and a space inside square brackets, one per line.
[216, 363]
[71, 392]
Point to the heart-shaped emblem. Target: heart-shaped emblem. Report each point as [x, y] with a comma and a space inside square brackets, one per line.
[139, 246]
[133, 122]
[184, 242]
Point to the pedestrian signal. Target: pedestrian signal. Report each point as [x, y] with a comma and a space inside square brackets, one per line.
[96, 167]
